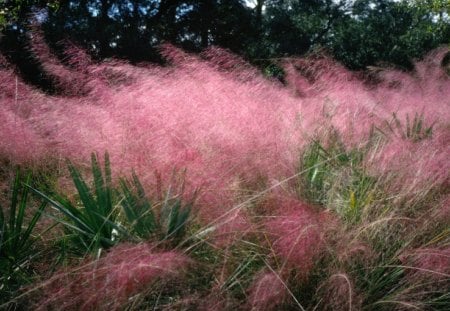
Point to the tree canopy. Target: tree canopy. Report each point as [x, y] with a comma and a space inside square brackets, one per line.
[357, 33]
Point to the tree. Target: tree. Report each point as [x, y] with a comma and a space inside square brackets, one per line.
[358, 33]
[385, 31]
[13, 10]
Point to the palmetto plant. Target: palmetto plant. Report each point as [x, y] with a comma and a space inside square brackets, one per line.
[93, 223]
[137, 208]
[90, 222]
[16, 240]
[165, 220]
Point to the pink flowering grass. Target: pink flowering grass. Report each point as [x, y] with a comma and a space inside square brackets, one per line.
[113, 280]
[241, 139]
[429, 263]
[268, 292]
[339, 293]
[201, 114]
[298, 234]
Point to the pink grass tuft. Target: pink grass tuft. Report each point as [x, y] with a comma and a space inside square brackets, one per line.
[111, 281]
[298, 235]
[72, 83]
[431, 263]
[339, 293]
[268, 292]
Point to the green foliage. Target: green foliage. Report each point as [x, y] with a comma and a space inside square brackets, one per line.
[143, 219]
[91, 223]
[335, 178]
[393, 32]
[13, 10]
[316, 164]
[138, 208]
[415, 130]
[380, 282]
[16, 241]
[357, 33]
[274, 71]
[174, 217]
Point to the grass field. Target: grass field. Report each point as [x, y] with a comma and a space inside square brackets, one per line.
[203, 185]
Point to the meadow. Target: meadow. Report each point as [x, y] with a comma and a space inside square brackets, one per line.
[204, 185]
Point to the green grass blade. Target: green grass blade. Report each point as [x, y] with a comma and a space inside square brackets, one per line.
[129, 201]
[182, 220]
[138, 208]
[108, 181]
[67, 209]
[14, 201]
[32, 224]
[87, 199]
[146, 218]
[99, 184]
[103, 208]
[21, 210]
[172, 220]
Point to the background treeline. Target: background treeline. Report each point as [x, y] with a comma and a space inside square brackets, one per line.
[357, 33]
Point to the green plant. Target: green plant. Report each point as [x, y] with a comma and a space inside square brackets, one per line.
[316, 166]
[142, 217]
[415, 131]
[336, 179]
[137, 208]
[16, 240]
[91, 222]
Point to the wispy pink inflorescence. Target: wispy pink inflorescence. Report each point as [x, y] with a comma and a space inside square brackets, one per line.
[298, 234]
[111, 281]
[19, 143]
[416, 165]
[339, 293]
[430, 263]
[267, 292]
[13, 89]
[225, 61]
[77, 58]
[223, 121]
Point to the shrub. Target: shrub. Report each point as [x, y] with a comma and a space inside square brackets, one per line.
[93, 223]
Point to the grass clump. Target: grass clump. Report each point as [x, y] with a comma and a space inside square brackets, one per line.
[414, 130]
[336, 178]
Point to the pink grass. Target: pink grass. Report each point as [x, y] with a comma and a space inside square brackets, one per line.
[339, 293]
[267, 292]
[111, 281]
[218, 118]
[297, 233]
[429, 263]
